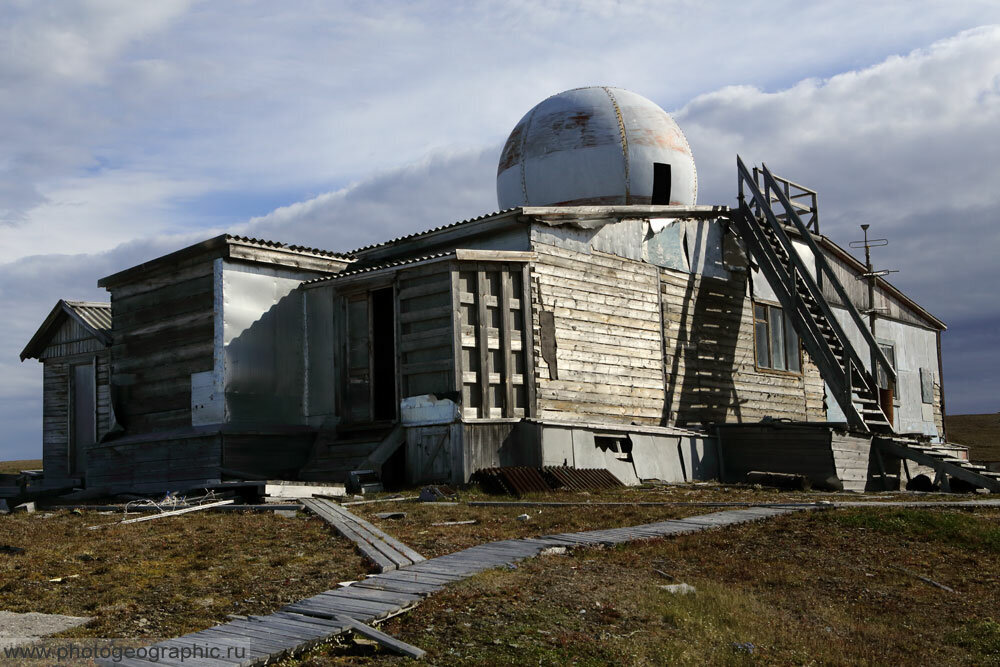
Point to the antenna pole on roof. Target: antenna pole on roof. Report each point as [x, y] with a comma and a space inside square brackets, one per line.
[871, 275]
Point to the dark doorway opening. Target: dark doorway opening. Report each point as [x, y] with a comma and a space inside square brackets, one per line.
[661, 184]
[383, 355]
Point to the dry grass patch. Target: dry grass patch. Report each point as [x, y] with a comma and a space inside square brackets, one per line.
[18, 466]
[813, 588]
[980, 432]
[500, 522]
[171, 576]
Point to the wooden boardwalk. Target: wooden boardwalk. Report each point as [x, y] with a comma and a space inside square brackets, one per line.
[383, 549]
[257, 640]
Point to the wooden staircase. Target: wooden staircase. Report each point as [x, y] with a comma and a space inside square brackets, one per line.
[801, 297]
[337, 452]
[944, 463]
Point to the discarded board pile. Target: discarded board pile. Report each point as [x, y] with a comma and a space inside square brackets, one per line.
[383, 549]
[304, 624]
[519, 480]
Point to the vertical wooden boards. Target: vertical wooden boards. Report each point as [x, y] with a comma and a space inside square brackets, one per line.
[495, 339]
[427, 331]
[55, 418]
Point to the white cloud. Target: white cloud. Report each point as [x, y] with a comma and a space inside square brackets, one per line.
[906, 145]
[121, 118]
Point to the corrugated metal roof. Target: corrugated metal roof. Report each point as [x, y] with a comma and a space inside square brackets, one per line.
[264, 243]
[95, 314]
[429, 231]
[380, 267]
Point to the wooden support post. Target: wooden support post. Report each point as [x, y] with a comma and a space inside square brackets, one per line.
[507, 378]
[482, 341]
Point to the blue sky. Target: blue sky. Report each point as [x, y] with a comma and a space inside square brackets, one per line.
[131, 129]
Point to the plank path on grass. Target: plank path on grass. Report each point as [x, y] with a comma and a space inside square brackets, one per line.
[302, 625]
[387, 552]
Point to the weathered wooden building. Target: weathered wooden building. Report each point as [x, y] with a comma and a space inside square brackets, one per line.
[73, 344]
[602, 319]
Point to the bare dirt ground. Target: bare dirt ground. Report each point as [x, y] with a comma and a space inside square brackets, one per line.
[980, 432]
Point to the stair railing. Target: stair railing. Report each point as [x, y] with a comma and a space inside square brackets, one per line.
[799, 272]
[822, 266]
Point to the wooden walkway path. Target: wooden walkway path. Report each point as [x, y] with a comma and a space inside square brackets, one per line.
[306, 623]
[383, 549]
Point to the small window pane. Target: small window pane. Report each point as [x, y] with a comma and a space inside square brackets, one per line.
[760, 312]
[792, 347]
[760, 341]
[777, 338]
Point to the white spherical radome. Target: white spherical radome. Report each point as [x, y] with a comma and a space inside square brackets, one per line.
[596, 146]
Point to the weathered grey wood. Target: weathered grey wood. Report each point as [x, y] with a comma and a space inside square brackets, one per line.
[389, 642]
[325, 611]
[150, 517]
[401, 599]
[399, 586]
[375, 540]
[342, 527]
[385, 537]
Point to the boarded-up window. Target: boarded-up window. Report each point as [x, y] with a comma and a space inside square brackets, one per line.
[882, 378]
[490, 302]
[775, 340]
[926, 385]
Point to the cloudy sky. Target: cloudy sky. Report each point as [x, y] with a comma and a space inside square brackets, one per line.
[129, 129]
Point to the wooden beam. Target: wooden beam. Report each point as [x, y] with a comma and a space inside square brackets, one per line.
[388, 641]
[482, 345]
[465, 254]
[186, 510]
[507, 376]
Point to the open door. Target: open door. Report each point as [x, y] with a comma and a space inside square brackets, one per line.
[371, 357]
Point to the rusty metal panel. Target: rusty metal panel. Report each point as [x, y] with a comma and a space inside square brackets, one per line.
[520, 480]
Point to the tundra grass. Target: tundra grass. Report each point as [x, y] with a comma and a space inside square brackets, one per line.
[812, 588]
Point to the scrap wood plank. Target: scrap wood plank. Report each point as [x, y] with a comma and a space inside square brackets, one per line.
[399, 586]
[402, 599]
[196, 508]
[346, 605]
[347, 531]
[384, 536]
[388, 641]
[369, 538]
[375, 606]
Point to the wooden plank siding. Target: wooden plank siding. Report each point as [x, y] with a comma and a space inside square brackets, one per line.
[162, 334]
[164, 463]
[607, 336]
[69, 346]
[710, 362]
[55, 418]
[426, 356]
[69, 340]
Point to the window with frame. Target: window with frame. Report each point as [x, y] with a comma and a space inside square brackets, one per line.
[882, 378]
[775, 342]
